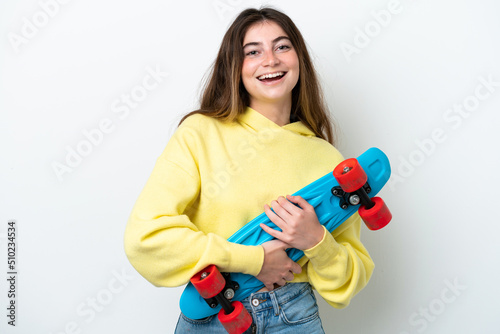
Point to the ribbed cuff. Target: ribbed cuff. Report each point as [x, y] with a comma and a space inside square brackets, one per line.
[246, 259]
[324, 250]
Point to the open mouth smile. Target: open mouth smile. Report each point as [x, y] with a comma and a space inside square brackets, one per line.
[271, 77]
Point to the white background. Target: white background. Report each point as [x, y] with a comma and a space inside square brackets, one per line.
[436, 263]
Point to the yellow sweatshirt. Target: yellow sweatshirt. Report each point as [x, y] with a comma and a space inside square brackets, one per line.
[213, 178]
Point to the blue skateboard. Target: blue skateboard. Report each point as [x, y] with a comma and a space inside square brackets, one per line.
[335, 197]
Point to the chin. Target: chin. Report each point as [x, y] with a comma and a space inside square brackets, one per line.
[276, 96]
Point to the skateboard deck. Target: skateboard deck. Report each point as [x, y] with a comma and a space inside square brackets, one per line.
[330, 214]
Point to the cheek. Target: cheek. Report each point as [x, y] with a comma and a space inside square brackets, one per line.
[294, 64]
[293, 61]
[247, 72]
[247, 69]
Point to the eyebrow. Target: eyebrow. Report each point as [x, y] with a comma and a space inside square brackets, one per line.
[276, 40]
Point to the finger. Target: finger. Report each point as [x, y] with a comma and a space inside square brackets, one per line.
[276, 219]
[296, 268]
[289, 276]
[272, 232]
[280, 209]
[291, 207]
[298, 200]
[281, 244]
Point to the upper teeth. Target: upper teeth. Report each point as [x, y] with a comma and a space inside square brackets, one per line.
[272, 75]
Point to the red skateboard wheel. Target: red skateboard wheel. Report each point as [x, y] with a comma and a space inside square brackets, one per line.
[236, 322]
[208, 282]
[376, 217]
[350, 175]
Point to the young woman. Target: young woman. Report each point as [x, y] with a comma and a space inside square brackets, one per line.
[262, 132]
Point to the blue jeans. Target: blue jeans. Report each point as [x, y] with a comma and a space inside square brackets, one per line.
[289, 309]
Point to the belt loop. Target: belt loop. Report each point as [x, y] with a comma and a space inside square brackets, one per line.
[274, 300]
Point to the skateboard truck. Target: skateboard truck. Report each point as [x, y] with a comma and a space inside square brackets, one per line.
[216, 290]
[225, 295]
[353, 189]
[355, 198]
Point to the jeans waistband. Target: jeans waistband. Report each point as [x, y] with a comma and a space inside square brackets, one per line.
[261, 301]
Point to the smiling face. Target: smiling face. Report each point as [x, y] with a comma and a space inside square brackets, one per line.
[270, 66]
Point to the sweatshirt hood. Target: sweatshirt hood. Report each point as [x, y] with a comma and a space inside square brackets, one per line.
[257, 121]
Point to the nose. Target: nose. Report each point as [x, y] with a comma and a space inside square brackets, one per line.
[270, 59]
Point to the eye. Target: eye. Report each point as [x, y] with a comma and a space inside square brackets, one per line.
[252, 53]
[283, 47]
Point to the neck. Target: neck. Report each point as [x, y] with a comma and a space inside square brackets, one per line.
[279, 112]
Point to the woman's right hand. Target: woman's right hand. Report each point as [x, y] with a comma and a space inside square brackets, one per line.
[278, 267]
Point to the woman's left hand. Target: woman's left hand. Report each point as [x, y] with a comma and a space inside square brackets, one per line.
[299, 224]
